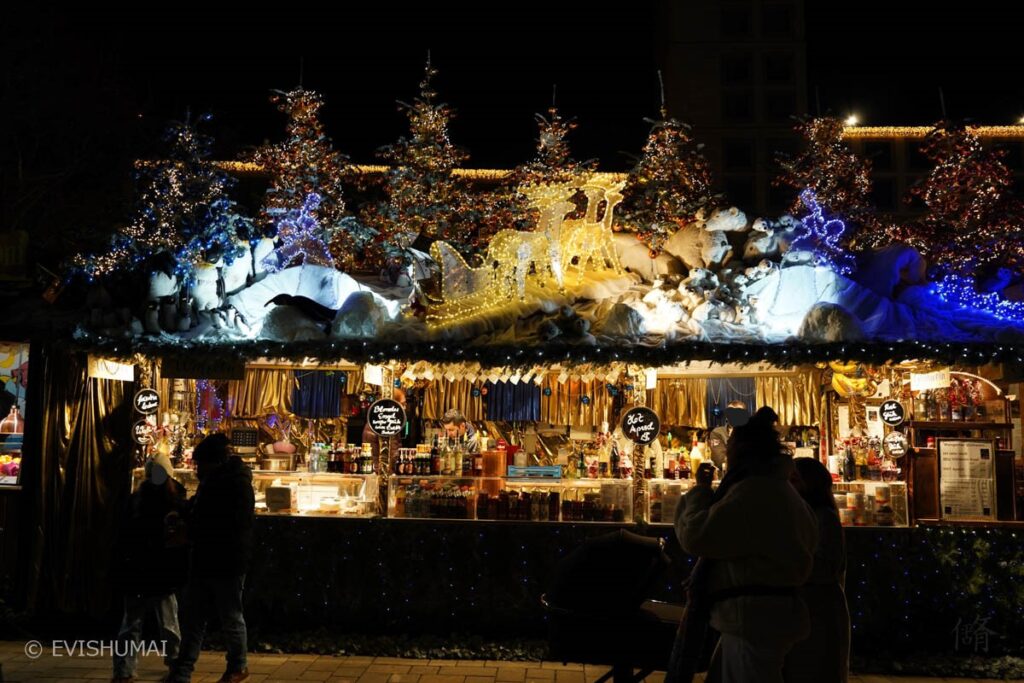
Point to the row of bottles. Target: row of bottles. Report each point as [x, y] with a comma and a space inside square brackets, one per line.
[340, 458]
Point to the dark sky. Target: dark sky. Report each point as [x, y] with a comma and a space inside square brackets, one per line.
[886, 60]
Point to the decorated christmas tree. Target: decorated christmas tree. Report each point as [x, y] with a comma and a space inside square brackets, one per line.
[301, 238]
[506, 207]
[839, 178]
[669, 184]
[182, 211]
[306, 163]
[969, 206]
[425, 200]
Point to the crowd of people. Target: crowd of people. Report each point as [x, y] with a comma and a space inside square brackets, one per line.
[765, 600]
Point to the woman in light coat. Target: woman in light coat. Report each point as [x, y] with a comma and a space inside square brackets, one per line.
[759, 540]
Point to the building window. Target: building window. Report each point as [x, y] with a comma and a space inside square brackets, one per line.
[737, 69]
[738, 155]
[916, 160]
[737, 107]
[778, 68]
[740, 192]
[735, 21]
[883, 194]
[879, 152]
[779, 105]
[777, 20]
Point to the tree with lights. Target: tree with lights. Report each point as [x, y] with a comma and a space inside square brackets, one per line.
[424, 197]
[838, 177]
[969, 206]
[182, 211]
[668, 186]
[552, 163]
[306, 163]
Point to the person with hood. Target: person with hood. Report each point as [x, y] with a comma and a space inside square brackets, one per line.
[756, 539]
[220, 527]
[823, 657]
[150, 565]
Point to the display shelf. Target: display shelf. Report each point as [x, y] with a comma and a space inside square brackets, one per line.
[872, 503]
[498, 498]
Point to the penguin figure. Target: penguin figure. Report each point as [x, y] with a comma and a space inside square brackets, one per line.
[313, 310]
[168, 313]
[151, 319]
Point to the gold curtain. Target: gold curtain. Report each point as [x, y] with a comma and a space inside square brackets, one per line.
[681, 401]
[565, 405]
[76, 480]
[796, 398]
[263, 391]
[442, 396]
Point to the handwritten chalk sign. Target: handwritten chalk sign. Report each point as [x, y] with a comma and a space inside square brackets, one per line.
[386, 417]
[892, 413]
[641, 425]
[146, 401]
[142, 432]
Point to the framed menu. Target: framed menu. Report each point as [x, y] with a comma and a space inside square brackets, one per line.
[967, 479]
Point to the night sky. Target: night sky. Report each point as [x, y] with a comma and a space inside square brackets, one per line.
[93, 87]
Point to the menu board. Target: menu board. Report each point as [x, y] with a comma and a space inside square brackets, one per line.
[967, 479]
[386, 417]
[641, 425]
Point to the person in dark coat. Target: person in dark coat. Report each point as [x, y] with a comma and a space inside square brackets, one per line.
[220, 526]
[824, 656]
[150, 565]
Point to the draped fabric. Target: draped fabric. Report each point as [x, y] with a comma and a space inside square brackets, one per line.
[317, 393]
[510, 402]
[77, 482]
[723, 390]
[680, 401]
[442, 396]
[796, 398]
[565, 404]
[262, 392]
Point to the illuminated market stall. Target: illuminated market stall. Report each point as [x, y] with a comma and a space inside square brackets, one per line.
[440, 395]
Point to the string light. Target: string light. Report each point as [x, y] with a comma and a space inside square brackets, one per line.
[515, 258]
[1013, 132]
[302, 240]
[823, 236]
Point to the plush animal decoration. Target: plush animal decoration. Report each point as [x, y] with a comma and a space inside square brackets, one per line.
[205, 290]
[762, 242]
[697, 247]
[726, 220]
[238, 273]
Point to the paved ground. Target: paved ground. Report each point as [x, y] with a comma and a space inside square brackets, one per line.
[17, 667]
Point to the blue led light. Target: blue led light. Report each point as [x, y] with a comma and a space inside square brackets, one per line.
[822, 236]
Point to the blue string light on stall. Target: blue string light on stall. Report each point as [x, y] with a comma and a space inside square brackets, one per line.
[961, 292]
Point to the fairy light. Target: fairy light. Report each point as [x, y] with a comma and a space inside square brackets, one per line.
[669, 185]
[1013, 132]
[960, 291]
[301, 238]
[503, 279]
[823, 236]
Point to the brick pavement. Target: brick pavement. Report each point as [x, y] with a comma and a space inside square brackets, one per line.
[264, 668]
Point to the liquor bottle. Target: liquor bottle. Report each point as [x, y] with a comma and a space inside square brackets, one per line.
[466, 464]
[478, 464]
[615, 460]
[435, 456]
[849, 465]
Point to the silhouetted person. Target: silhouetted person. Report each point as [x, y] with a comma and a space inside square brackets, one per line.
[150, 565]
[757, 540]
[220, 526]
[824, 657]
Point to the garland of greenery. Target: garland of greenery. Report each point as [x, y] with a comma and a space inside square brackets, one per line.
[786, 354]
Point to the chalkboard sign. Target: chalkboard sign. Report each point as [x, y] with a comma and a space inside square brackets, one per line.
[142, 432]
[146, 401]
[386, 417]
[641, 425]
[892, 413]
